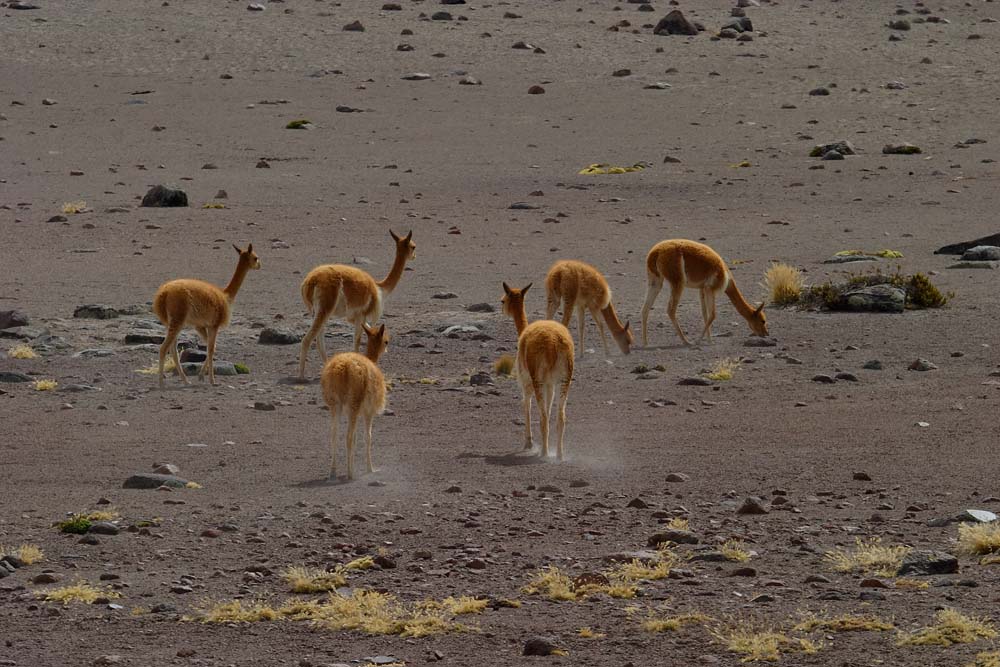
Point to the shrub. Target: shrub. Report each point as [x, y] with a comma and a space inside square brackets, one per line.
[784, 282]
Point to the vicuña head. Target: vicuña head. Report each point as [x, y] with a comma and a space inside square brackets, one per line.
[201, 305]
[544, 360]
[354, 384]
[349, 293]
[581, 287]
[690, 264]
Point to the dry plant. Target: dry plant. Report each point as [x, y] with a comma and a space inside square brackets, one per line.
[80, 591]
[993, 559]
[673, 623]
[464, 605]
[382, 614]
[21, 352]
[73, 207]
[504, 365]
[951, 627]
[193, 485]
[46, 385]
[636, 570]
[723, 370]
[755, 642]
[979, 538]
[843, 623]
[555, 585]
[868, 557]
[363, 563]
[914, 584]
[987, 659]
[313, 580]
[588, 633]
[784, 283]
[29, 554]
[735, 551]
[678, 523]
[236, 611]
[168, 367]
[103, 515]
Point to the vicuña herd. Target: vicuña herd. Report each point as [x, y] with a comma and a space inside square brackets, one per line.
[354, 385]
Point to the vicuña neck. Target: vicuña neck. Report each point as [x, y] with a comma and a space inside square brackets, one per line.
[611, 318]
[234, 285]
[373, 353]
[734, 294]
[520, 319]
[395, 273]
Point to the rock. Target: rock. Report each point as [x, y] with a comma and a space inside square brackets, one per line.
[273, 336]
[96, 312]
[524, 206]
[12, 318]
[255, 7]
[536, 90]
[862, 477]
[480, 379]
[873, 583]
[539, 646]
[823, 379]
[817, 579]
[416, 76]
[222, 368]
[17, 4]
[976, 516]
[960, 248]
[638, 503]
[832, 155]
[739, 24]
[760, 341]
[847, 259]
[675, 536]
[925, 562]
[110, 659]
[263, 406]
[10, 377]
[481, 308]
[166, 469]
[675, 23]
[46, 578]
[747, 3]
[981, 253]
[578, 484]
[901, 149]
[103, 528]
[442, 16]
[354, 26]
[161, 196]
[922, 365]
[873, 365]
[819, 92]
[154, 481]
[849, 377]
[743, 572]
[877, 298]
[974, 265]
[444, 295]
[899, 24]
[695, 382]
[677, 477]
[752, 505]
[469, 80]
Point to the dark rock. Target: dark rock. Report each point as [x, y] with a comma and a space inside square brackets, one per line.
[536, 90]
[539, 646]
[739, 24]
[842, 147]
[926, 562]
[752, 505]
[264, 406]
[354, 26]
[873, 365]
[960, 248]
[578, 484]
[480, 379]
[444, 295]
[675, 536]
[96, 312]
[849, 377]
[13, 562]
[638, 503]
[695, 381]
[677, 477]
[922, 365]
[877, 298]
[982, 253]
[153, 481]
[223, 368]
[160, 196]
[760, 341]
[481, 308]
[832, 155]
[901, 149]
[104, 528]
[442, 16]
[743, 572]
[675, 23]
[12, 318]
[824, 379]
[819, 92]
[273, 336]
[524, 206]
[9, 377]
[899, 24]
[862, 477]
[45, 578]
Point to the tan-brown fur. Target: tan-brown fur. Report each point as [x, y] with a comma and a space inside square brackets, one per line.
[202, 305]
[348, 293]
[544, 360]
[354, 384]
[580, 286]
[690, 264]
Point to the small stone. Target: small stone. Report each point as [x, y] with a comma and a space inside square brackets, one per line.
[264, 406]
[922, 365]
[862, 477]
[453, 489]
[469, 80]
[743, 572]
[162, 196]
[536, 90]
[926, 562]
[873, 365]
[901, 149]
[539, 646]
[110, 659]
[695, 382]
[354, 26]
[578, 484]
[444, 295]
[416, 76]
[982, 253]
[476, 564]
[275, 336]
[873, 583]
[638, 503]
[752, 505]
[819, 92]
[46, 578]
[104, 528]
[675, 536]
[96, 312]
[817, 579]
[154, 481]
[481, 308]
[675, 23]
[823, 379]
[255, 7]
[677, 477]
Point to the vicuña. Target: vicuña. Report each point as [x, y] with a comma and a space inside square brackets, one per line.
[582, 287]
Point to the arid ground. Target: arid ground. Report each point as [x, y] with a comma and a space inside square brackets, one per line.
[101, 100]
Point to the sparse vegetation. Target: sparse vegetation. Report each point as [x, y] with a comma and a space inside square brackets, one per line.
[723, 370]
[654, 623]
[299, 124]
[951, 627]
[28, 553]
[103, 515]
[241, 369]
[987, 659]
[313, 580]
[74, 207]
[979, 538]
[464, 605]
[915, 584]
[168, 367]
[843, 623]
[757, 643]
[363, 563]
[214, 204]
[993, 559]
[678, 523]
[588, 633]
[78, 524]
[22, 352]
[553, 584]
[504, 365]
[735, 551]
[920, 291]
[382, 614]
[236, 611]
[868, 557]
[46, 385]
[784, 283]
[80, 591]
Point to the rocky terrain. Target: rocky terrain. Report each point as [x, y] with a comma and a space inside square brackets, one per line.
[828, 477]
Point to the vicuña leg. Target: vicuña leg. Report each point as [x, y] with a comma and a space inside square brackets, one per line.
[596, 314]
[543, 417]
[315, 332]
[358, 329]
[213, 335]
[675, 299]
[203, 333]
[526, 403]
[561, 417]
[582, 323]
[369, 420]
[552, 305]
[352, 423]
[708, 311]
[653, 288]
[334, 421]
[170, 343]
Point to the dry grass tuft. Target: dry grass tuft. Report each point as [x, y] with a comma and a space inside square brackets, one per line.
[382, 614]
[22, 352]
[29, 553]
[464, 605]
[735, 551]
[168, 367]
[551, 583]
[843, 623]
[103, 515]
[636, 570]
[990, 560]
[673, 623]
[678, 523]
[952, 627]
[979, 538]
[723, 370]
[588, 633]
[760, 643]
[236, 611]
[504, 365]
[193, 485]
[73, 207]
[784, 283]
[81, 591]
[363, 563]
[313, 580]
[988, 659]
[868, 557]
[46, 385]
[914, 584]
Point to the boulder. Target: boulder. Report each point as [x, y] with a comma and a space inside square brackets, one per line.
[96, 311]
[842, 147]
[162, 196]
[877, 299]
[539, 646]
[982, 253]
[925, 562]
[753, 505]
[675, 23]
[221, 368]
[273, 336]
[675, 536]
[12, 318]
[154, 481]
[960, 248]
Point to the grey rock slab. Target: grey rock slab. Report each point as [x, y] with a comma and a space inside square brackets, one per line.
[695, 382]
[94, 353]
[524, 206]
[926, 562]
[877, 298]
[11, 377]
[979, 253]
[154, 481]
[974, 265]
[676, 536]
[221, 368]
[162, 196]
[96, 311]
[12, 318]
[104, 528]
[848, 259]
[960, 248]
[274, 336]
[24, 333]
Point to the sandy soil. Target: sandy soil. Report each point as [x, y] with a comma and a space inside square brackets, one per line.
[447, 161]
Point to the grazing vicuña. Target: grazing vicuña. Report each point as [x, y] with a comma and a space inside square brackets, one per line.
[582, 287]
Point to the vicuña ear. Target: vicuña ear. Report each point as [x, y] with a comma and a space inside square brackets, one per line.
[760, 307]
[410, 235]
[250, 248]
[526, 288]
[381, 330]
[506, 289]
[393, 235]
[368, 329]
[237, 249]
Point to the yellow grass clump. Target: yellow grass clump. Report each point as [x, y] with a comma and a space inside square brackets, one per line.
[103, 515]
[987, 659]
[723, 370]
[654, 623]
[761, 643]
[784, 283]
[868, 557]
[46, 385]
[504, 365]
[555, 585]
[979, 538]
[382, 614]
[735, 551]
[81, 591]
[914, 584]
[589, 633]
[29, 553]
[678, 523]
[464, 605]
[363, 563]
[168, 367]
[21, 352]
[236, 611]
[214, 204]
[313, 580]
[951, 627]
[73, 207]
[843, 623]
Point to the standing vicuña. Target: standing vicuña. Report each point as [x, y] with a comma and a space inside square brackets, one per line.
[581, 286]
[201, 305]
[544, 360]
[689, 264]
[349, 293]
[353, 383]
